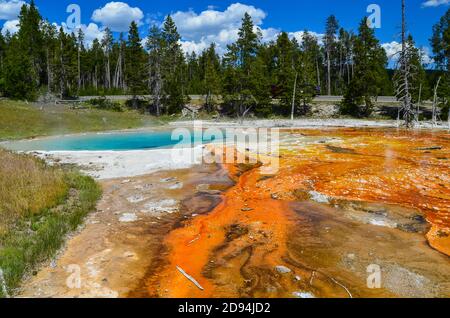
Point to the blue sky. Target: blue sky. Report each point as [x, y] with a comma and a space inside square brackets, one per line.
[203, 21]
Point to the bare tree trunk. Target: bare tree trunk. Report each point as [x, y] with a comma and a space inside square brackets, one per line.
[418, 103]
[108, 71]
[79, 69]
[62, 78]
[49, 71]
[328, 73]
[405, 65]
[293, 97]
[318, 73]
[119, 72]
[348, 73]
[435, 100]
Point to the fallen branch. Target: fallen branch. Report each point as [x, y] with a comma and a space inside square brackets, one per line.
[346, 289]
[430, 148]
[194, 240]
[189, 277]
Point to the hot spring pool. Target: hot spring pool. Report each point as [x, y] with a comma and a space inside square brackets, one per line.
[108, 142]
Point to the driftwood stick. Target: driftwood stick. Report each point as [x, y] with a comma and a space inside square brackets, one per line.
[189, 277]
[194, 240]
[346, 289]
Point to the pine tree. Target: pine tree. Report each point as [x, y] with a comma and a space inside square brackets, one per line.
[307, 71]
[49, 38]
[135, 58]
[369, 73]
[30, 37]
[286, 70]
[2, 62]
[66, 64]
[311, 49]
[440, 41]
[175, 96]
[211, 79]
[154, 45]
[332, 26]
[246, 76]
[24, 56]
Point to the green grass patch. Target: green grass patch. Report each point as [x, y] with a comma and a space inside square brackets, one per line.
[35, 238]
[19, 120]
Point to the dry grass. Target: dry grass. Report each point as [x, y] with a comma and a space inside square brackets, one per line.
[39, 206]
[27, 186]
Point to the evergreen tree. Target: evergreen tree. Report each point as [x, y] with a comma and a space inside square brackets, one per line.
[135, 58]
[246, 76]
[211, 79]
[49, 38]
[155, 45]
[307, 82]
[332, 26]
[370, 72]
[66, 64]
[286, 70]
[175, 96]
[195, 72]
[311, 50]
[440, 42]
[23, 59]
[2, 62]
[30, 37]
[345, 48]
[20, 80]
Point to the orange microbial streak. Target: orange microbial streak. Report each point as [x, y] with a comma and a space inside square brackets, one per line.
[246, 213]
[240, 249]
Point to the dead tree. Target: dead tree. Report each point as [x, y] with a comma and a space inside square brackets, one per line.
[293, 97]
[404, 78]
[435, 104]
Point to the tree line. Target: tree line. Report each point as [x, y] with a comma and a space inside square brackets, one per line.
[279, 77]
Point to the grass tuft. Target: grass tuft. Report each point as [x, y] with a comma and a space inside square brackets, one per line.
[39, 206]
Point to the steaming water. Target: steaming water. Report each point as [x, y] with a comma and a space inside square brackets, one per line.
[110, 141]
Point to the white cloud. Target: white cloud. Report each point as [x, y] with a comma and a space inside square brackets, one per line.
[435, 3]
[299, 36]
[193, 26]
[191, 46]
[118, 16]
[12, 26]
[394, 48]
[426, 56]
[91, 31]
[199, 30]
[10, 9]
